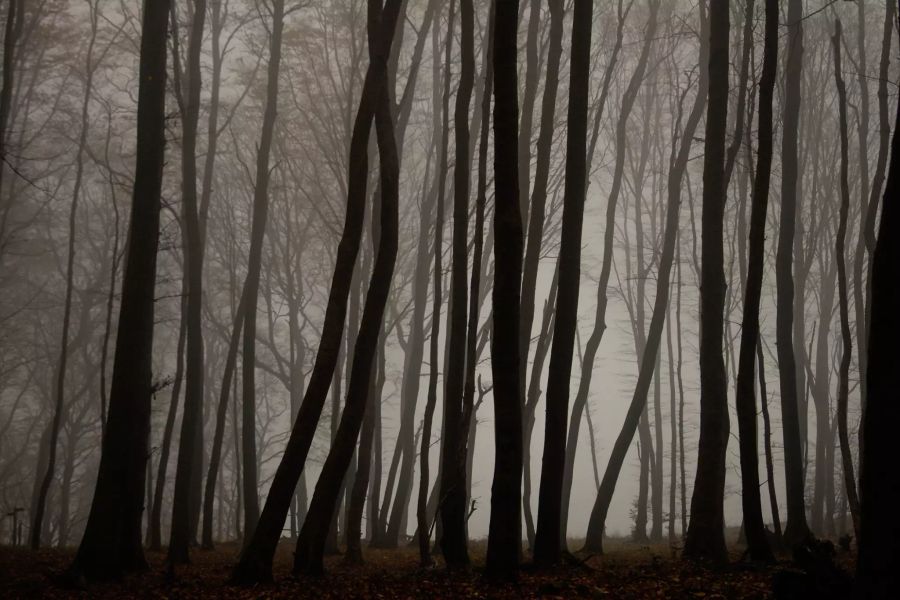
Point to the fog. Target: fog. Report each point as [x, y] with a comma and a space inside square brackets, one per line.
[266, 169]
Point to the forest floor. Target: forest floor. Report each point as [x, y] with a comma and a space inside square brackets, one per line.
[628, 570]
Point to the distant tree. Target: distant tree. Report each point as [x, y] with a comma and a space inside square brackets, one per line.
[112, 539]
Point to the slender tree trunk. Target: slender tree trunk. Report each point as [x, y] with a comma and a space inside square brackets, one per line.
[112, 537]
[745, 398]
[187, 477]
[256, 560]
[251, 284]
[453, 474]
[535, 239]
[839, 255]
[593, 342]
[597, 522]
[797, 529]
[310, 544]
[547, 546]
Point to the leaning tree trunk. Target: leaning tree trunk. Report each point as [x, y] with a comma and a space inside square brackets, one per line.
[745, 395]
[593, 342]
[597, 523]
[505, 529]
[112, 539]
[839, 256]
[547, 541]
[256, 560]
[311, 543]
[796, 529]
[706, 532]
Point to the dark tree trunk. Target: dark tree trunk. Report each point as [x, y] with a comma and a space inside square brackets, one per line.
[311, 543]
[745, 398]
[505, 529]
[13, 31]
[593, 342]
[597, 523]
[187, 477]
[878, 566]
[706, 532]
[256, 560]
[453, 471]
[797, 529]
[547, 542]
[534, 243]
[412, 365]
[443, 109]
[839, 256]
[112, 538]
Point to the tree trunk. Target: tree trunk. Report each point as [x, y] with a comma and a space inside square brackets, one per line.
[797, 529]
[453, 472]
[187, 477]
[547, 542]
[745, 395]
[597, 523]
[593, 343]
[706, 536]
[311, 543]
[878, 567]
[505, 535]
[112, 537]
[839, 255]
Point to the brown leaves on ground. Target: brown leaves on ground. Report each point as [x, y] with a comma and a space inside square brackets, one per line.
[628, 571]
